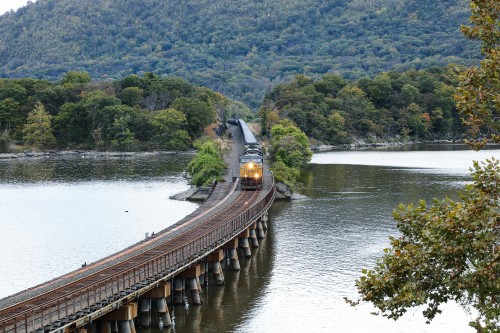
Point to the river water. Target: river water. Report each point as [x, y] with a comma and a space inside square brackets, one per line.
[55, 219]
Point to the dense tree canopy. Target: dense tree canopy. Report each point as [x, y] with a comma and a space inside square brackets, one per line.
[240, 48]
[333, 110]
[289, 152]
[148, 112]
[208, 165]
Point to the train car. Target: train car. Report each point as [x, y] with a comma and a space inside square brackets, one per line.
[251, 162]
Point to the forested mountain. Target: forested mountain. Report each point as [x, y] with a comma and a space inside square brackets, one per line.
[240, 48]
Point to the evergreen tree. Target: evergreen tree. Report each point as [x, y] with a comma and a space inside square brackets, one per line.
[38, 130]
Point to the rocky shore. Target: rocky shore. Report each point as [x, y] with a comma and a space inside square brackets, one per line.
[361, 144]
[89, 154]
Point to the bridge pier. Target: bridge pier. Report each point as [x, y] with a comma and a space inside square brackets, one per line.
[231, 248]
[264, 218]
[260, 230]
[123, 326]
[253, 236]
[215, 258]
[192, 274]
[178, 287]
[158, 297]
[203, 279]
[243, 243]
[144, 312]
[105, 326]
[120, 320]
[164, 319]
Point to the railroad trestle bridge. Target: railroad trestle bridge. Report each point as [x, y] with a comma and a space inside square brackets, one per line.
[119, 292]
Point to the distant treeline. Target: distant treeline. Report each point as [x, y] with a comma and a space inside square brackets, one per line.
[146, 112]
[401, 105]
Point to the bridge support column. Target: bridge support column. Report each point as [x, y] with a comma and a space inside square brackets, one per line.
[253, 236]
[159, 297]
[163, 314]
[215, 258]
[192, 275]
[144, 311]
[178, 291]
[264, 219]
[243, 243]
[195, 292]
[105, 326]
[123, 326]
[231, 247]
[132, 326]
[120, 320]
[260, 230]
[203, 274]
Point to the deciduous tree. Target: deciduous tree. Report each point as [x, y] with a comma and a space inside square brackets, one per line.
[478, 97]
[450, 251]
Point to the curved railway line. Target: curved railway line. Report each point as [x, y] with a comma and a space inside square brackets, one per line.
[104, 286]
[72, 300]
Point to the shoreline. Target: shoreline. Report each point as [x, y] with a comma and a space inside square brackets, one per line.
[360, 144]
[90, 154]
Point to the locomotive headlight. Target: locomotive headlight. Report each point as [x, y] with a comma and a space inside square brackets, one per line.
[250, 165]
[257, 176]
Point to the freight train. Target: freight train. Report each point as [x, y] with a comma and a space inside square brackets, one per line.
[251, 162]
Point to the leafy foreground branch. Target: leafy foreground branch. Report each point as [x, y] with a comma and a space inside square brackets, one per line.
[448, 251]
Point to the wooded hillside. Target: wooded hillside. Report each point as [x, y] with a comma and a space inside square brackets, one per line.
[240, 48]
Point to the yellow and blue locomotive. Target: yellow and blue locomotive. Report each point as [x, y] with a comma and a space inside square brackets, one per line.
[251, 162]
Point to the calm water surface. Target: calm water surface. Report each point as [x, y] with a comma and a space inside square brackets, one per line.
[296, 281]
[57, 213]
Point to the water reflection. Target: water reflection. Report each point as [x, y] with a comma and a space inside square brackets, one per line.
[58, 213]
[82, 168]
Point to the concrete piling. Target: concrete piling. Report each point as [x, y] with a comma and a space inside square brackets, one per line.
[178, 291]
[144, 312]
[253, 239]
[264, 219]
[215, 258]
[201, 278]
[132, 326]
[218, 273]
[114, 326]
[123, 326]
[162, 311]
[232, 254]
[195, 294]
[260, 230]
[243, 243]
[105, 326]
[235, 262]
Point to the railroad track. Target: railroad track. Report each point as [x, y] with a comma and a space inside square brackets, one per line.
[139, 257]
